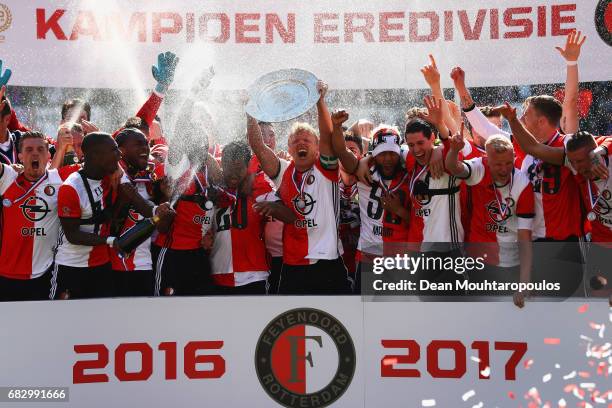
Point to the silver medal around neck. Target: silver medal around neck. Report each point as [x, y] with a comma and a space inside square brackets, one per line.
[591, 216]
[6, 202]
[301, 204]
[208, 205]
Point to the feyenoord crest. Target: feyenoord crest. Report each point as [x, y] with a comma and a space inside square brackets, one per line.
[310, 179]
[305, 358]
[500, 215]
[49, 190]
[603, 20]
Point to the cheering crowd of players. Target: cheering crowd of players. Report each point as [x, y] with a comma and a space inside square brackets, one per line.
[245, 218]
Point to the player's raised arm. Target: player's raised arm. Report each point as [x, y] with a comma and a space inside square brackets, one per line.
[326, 153]
[347, 158]
[270, 163]
[432, 77]
[529, 144]
[571, 53]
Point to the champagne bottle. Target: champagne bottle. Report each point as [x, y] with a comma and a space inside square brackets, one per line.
[139, 233]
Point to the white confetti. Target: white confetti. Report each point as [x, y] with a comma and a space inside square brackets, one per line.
[570, 375]
[546, 378]
[587, 385]
[583, 337]
[599, 400]
[576, 393]
[474, 358]
[601, 331]
[557, 366]
[562, 403]
[468, 395]
[486, 372]
[479, 405]
[428, 403]
[606, 346]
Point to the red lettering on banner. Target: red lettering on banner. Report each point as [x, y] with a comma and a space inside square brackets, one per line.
[242, 28]
[115, 26]
[78, 370]
[287, 34]
[557, 19]
[413, 355]
[159, 28]
[510, 21]
[448, 25]
[191, 360]
[224, 25]
[320, 28]
[433, 357]
[146, 362]
[541, 21]
[365, 29]
[434, 29]
[470, 33]
[43, 25]
[386, 25]
[169, 349]
[85, 25]
[190, 27]
[494, 23]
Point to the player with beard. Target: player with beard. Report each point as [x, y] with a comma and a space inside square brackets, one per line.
[29, 224]
[236, 268]
[85, 205]
[503, 206]
[133, 272]
[309, 186]
[383, 205]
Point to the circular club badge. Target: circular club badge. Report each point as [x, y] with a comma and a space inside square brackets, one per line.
[305, 358]
[603, 20]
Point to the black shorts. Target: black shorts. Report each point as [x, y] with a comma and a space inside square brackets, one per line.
[12, 290]
[70, 282]
[181, 272]
[133, 283]
[253, 288]
[326, 277]
[276, 265]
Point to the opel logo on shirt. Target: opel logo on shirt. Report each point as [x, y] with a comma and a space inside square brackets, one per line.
[35, 208]
[303, 204]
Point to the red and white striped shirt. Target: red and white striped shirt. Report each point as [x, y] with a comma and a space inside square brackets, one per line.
[498, 213]
[140, 259]
[238, 256]
[74, 202]
[29, 222]
[314, 197]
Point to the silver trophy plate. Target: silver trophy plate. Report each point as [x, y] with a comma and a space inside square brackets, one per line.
[282, 95]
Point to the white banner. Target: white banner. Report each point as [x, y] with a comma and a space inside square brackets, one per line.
[374, 44]
[306, 352]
